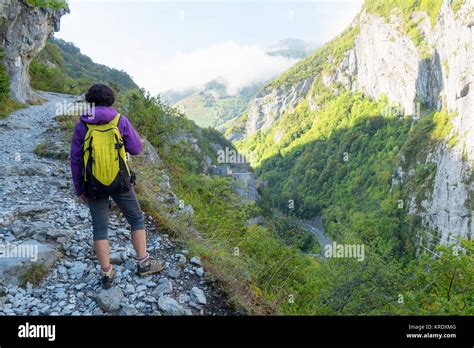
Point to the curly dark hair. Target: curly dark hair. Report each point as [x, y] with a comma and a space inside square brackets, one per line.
[100, 95]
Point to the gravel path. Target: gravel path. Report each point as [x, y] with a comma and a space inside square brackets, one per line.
[39, 214]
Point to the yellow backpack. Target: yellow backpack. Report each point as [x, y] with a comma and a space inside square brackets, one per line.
[106, 169]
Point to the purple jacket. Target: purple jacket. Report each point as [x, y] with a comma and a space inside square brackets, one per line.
[131, 139]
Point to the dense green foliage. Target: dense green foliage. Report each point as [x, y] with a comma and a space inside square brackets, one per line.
[294, 235]
[62, 68]
[341, 168]
[340, 163]
[49, 4]
[404, 8]
[442, 283]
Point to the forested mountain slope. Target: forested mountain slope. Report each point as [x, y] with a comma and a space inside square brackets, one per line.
[376, 124]
[61, 67]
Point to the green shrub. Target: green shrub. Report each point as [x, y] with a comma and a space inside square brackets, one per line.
[34, 274]
[47, 78]
[404, 8]
[166, 129]
[293, 235]
[49, 4]
[442, 284]
[53, 151]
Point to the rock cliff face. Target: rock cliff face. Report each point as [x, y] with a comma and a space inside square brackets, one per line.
[24, 30]
[389, 63]
[384, 61]
[269, 105]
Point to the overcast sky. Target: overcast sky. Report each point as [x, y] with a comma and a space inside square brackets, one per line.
[179, 44]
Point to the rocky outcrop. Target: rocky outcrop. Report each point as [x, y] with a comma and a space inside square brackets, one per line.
[387, 62]
[270, 104]
[451, 209]
[246, 186]
[24, 30]
[236, 166]
[345, 73]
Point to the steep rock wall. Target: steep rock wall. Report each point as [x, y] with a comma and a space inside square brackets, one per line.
[388, 63]
[24, 30]
[270, 104]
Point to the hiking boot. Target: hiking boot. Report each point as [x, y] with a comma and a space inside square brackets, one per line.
[150, 266]
[107, 278]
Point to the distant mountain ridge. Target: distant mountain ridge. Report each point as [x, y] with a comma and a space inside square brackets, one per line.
[212, 105]
[292, 48]
[78, 64]
[61, 67]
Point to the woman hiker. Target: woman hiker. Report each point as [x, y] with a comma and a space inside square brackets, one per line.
[99, 171]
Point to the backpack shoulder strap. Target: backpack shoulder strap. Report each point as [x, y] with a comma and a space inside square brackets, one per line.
[85, 124]
[116, 120]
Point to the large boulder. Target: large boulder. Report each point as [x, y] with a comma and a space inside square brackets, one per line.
[28, 253]
[110, 300]
[170, 306]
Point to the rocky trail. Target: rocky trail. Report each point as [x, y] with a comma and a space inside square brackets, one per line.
[39, 213]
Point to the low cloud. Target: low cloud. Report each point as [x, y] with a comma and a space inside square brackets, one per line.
[239, 66]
